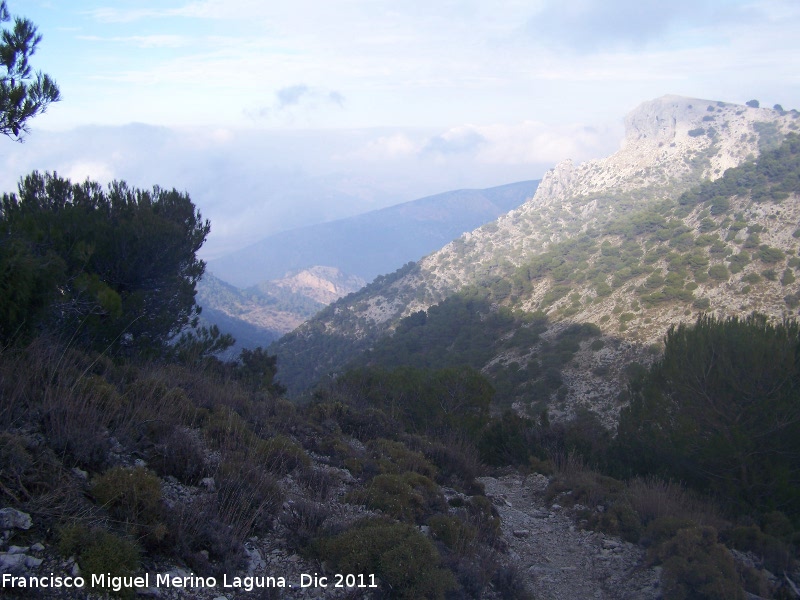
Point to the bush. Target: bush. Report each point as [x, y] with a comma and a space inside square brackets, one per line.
[697, 566]
[719, 273]
[100, 553]
[454, 533]
[180, 454]
[737, 262]
[409, 497]
[132, 496]
[405, 561]
[304, 520]
[281, 455]
[116, 269]
[674, 425]
[776, 553]
[701, 303]
[770, 255]
[395, 457]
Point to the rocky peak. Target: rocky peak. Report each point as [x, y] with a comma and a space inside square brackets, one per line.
[321, 283]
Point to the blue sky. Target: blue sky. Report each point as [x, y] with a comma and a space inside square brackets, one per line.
[273, 114]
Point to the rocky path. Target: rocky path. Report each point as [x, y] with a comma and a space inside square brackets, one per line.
[559, 560]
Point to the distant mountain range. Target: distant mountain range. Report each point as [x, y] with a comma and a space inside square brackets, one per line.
[261, 313]
[373, 243]
[287, 278]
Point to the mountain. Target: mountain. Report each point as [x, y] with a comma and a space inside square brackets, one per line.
[373, 243]
[262, 313]
[697, 212]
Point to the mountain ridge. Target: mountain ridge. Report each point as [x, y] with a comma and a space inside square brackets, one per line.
[375, 242]
[588, 247]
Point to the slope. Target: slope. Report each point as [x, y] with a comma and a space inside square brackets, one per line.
[618, 243]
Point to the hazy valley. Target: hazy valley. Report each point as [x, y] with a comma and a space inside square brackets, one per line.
[288, 277]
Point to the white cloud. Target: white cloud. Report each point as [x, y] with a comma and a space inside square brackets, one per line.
[391, 147]
[81, 170]
[534, 142]
[298, 101]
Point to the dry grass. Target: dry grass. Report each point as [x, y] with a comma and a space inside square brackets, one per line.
[653, 498]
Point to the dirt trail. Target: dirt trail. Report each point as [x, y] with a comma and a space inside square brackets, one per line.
[558, 560]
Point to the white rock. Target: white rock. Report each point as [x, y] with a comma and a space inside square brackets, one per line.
[10, 563]
[32, 562]
[10, 518]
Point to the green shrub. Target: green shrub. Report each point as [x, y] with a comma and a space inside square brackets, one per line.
[697, 566]
[396, 457]
[180, 454]
[770, 255]
[751, 278]
[788, 277]
[100, 553]
[454, 533]
[622, 520]
[409, 497]
[775, 552]
[738, 261]
[770, 274]
[583, 486]
[663, 529]
[405, 561]
[719, 273]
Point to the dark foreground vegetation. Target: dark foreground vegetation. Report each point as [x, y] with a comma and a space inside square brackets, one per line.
[94, 447]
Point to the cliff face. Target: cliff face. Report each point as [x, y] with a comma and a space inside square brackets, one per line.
[671, 144]
[608, 242]
[321, 284]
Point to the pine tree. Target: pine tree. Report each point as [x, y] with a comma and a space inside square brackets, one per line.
[23, 93]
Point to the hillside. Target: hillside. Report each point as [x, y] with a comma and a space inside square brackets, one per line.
[373, 243]
[629, 244]
[262, 313]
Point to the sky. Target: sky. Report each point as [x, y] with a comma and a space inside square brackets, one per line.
[275, 114]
